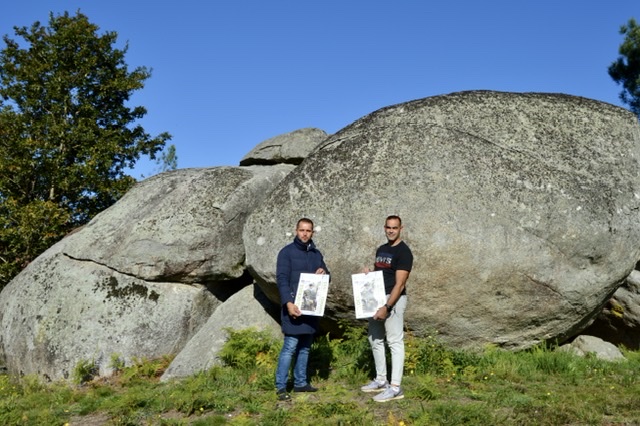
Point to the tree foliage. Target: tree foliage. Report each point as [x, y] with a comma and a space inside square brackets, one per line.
[168, 159]
[67, 135]
[626, 69]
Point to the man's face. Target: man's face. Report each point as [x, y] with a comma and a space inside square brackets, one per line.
[392, 229]
[304, 231]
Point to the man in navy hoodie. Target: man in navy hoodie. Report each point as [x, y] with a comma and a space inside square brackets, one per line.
[300, 256]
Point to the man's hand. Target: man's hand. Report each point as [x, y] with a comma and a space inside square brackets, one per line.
[382, 313]
[293, 310]
[320, 271]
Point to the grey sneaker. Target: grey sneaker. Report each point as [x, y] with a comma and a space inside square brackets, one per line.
[389, 394]
[374, 386]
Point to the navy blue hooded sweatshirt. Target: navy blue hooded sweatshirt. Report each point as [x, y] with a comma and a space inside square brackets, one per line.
[294, 259]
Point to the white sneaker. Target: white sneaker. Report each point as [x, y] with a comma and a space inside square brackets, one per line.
[374, 386]
[389, 394]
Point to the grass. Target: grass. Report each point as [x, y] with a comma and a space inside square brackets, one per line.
[442, 387]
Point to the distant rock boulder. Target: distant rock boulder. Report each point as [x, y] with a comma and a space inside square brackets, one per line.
[584, 345]
[289, 148]
[521, 210]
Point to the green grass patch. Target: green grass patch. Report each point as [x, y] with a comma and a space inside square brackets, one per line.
[442, 386]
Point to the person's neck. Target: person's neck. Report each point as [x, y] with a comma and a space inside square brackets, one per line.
[394, 242]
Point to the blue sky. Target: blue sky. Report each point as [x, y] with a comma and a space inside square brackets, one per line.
[229, 74]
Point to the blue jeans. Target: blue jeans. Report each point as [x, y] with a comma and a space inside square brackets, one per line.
[293, 347]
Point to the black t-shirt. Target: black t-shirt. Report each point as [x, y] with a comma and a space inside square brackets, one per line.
[389, 259]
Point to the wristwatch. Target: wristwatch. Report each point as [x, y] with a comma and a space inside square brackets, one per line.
[389, 308]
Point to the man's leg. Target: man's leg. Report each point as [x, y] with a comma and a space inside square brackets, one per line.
[302, 360]
[284, 361]
[394, 326]
[376, 340]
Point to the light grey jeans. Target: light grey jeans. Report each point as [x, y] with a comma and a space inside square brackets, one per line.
[393, 328]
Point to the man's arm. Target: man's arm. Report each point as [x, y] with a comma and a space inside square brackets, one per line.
[283, 276]
[401, 280]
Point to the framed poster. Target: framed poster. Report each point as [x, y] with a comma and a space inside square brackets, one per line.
[312, 294]
[368, 293]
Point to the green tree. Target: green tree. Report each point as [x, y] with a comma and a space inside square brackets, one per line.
[168, 160]
[626, 69]
[67, 136]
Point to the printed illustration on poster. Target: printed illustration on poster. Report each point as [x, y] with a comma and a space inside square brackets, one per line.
[311, 296]
[368, 293]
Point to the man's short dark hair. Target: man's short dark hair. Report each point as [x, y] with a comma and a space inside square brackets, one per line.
[391, 217]
[304, 220]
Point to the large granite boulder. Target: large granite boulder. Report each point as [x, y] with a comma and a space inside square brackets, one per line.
[184, 226]
[59, 312]
[140, 279]
[521, 210]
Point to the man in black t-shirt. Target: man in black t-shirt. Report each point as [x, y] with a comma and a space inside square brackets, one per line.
[395, 260]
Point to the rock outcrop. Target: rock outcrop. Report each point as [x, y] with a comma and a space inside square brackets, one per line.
[140, 279]
[521, 210]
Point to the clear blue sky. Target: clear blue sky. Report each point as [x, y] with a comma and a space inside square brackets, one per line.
[229, 74]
